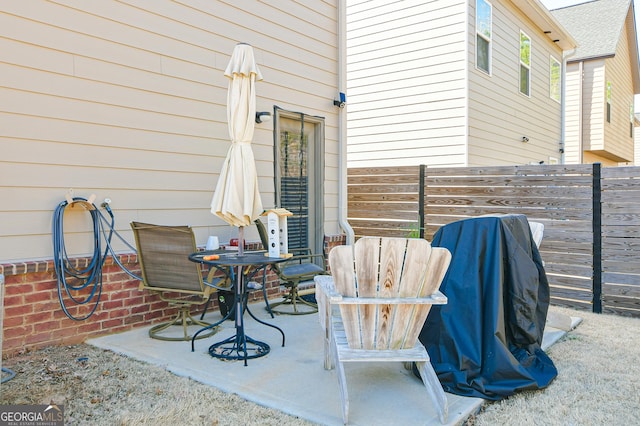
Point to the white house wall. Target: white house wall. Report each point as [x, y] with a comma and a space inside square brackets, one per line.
[406, 85]
[499, 116]
[127, 100]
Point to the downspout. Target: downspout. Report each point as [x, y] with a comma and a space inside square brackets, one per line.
[563, 103]
[580, 112]
[342, 124]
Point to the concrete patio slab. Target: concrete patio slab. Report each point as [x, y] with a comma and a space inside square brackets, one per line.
[292, 378]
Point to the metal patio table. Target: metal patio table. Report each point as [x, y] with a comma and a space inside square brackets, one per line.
[238, 346]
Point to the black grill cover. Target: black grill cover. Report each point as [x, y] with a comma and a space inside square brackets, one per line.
[486, 341]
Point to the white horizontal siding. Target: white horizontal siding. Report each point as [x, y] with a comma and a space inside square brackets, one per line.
[406, 83]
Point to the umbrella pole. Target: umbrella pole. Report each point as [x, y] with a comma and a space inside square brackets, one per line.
[241, 241]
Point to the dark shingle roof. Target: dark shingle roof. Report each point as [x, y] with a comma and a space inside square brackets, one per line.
[596, 25]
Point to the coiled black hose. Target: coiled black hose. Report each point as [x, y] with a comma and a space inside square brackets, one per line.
[90, 277]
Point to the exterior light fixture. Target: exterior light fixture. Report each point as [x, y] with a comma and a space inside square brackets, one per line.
[262, 116]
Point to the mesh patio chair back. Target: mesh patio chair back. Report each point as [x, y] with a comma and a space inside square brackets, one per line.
[163, 255]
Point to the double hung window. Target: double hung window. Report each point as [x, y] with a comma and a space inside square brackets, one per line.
[483, 35]
[525, 64]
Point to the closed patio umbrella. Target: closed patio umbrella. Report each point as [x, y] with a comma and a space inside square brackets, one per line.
[236, 199]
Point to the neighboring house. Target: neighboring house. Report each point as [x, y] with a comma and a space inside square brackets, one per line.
[602, 78]
[454, 83]
[127, 100]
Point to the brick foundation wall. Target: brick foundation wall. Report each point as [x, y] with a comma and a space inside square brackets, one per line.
[33, 317]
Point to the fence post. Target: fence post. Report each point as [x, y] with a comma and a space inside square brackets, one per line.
[597, 238]
[421, 220]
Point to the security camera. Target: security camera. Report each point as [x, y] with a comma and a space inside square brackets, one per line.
[525, 139]
[340, 103]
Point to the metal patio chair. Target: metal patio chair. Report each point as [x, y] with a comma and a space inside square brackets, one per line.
[301, 268]
[167, 271]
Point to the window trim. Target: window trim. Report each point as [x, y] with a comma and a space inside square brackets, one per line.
[488, 39]
[608, 98]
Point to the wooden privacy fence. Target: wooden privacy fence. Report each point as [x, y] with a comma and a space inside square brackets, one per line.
[591, 245]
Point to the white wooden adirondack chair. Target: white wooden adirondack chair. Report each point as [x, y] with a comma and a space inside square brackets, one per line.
[376, 311]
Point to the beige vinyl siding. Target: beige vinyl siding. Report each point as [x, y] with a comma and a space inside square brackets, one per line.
[406, 83]
[127, 100]
[591, 157]
[499, 116]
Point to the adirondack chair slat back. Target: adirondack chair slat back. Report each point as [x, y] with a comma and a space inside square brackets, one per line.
[386, 268]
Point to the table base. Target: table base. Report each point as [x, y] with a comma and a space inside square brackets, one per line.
[235, 347]
[239, 346]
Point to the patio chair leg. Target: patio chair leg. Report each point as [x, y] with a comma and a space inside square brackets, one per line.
[264, 293]
[184, 319]
[342, 379]
[206, 306]
[293, 298]
[329, 349]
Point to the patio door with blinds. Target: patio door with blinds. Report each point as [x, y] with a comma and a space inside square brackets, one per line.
[299, 168]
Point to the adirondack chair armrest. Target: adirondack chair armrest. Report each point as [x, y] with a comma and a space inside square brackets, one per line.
[325, 287]
[436, 298]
